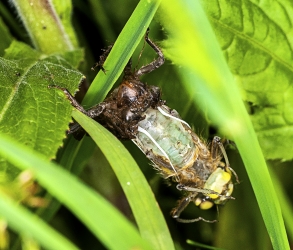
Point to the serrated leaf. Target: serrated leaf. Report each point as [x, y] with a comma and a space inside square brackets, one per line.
[74, 57]
[257, 41]
[28, 109]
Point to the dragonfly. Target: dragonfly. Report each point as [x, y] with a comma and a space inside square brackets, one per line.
[135, 111]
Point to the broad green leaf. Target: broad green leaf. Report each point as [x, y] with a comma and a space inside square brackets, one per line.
[257, 42]
[74, 57]
[147, 214]
[30, 112]
[105, 221]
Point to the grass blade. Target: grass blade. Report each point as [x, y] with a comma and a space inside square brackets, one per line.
[148, 216]
[122, 50]
[218, 95]
[26, 223]
[94, 211]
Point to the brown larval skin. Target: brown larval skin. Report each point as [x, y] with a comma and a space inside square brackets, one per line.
[123, 109]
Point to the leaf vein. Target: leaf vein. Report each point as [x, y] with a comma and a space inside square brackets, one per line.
[255, 42]
[14, 91]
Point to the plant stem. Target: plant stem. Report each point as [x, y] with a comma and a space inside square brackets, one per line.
[43, 26]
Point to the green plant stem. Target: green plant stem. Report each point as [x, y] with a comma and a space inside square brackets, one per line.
[43, 26]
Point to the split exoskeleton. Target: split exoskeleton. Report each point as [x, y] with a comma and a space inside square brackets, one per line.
[136, 111]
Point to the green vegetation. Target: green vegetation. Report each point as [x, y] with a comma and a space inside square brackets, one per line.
[228, 66]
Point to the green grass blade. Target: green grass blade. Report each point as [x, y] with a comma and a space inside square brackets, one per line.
[202, 246]
[102, 20]
[94, 211]
[148, 216]
[207, 77]
[286, 205]
[153, 226]
[122, 50]
[26, 223]
[116, 61]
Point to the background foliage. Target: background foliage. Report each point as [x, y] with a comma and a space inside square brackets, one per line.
[256, 40]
